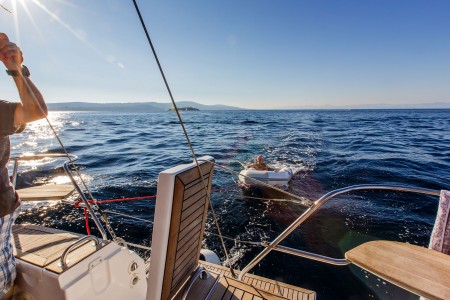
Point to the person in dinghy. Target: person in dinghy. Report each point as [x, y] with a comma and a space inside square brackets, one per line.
[260, 165]
[261, 174]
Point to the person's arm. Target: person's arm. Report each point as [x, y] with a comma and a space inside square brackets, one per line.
[33, 106]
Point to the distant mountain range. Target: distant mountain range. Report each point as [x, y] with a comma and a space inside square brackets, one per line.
[159, 107]
[132, 107]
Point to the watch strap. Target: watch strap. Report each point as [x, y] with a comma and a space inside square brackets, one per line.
[15, 73]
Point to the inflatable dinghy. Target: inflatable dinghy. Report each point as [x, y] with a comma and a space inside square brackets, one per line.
[278, 177]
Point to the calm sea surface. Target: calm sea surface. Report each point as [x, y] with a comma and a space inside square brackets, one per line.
[121, 154]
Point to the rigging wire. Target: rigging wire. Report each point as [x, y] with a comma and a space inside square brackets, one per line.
[184, 130]
[5, 9]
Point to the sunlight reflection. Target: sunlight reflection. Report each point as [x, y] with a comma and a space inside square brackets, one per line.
[80, 35]
[60, 180]
[16, 20]
[30, 16]
[39, 138]
[40, 130]
[54, 16]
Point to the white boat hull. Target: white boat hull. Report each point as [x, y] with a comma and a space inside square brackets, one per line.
[252, 177]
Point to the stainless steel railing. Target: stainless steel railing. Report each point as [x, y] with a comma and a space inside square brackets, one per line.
[72, 158]
[316, 205]
[85, 201]
[76, 244]
[18, 159]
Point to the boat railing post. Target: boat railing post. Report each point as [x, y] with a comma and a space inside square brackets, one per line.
[17, 159]
[86, 201]
[69, 173]
[281, 237]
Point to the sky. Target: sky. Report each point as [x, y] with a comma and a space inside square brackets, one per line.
[250, 54]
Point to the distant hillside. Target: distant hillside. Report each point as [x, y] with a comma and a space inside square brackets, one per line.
[130, 107]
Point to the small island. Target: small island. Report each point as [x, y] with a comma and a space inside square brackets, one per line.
[189, 108]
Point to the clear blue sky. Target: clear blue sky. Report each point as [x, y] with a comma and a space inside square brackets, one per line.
[252, 54]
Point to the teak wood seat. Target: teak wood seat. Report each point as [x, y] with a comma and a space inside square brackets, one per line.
[46, 192]
[181, 208]
[423, 271]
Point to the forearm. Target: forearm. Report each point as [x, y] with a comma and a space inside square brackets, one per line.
[33, 104]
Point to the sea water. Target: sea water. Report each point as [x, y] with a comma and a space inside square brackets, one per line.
[121, 154]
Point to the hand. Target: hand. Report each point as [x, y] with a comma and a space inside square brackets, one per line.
[10, 54]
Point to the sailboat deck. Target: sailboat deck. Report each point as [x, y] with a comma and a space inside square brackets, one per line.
[252, 287]
[43, 247]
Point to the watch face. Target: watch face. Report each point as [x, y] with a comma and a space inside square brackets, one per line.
[25, 71]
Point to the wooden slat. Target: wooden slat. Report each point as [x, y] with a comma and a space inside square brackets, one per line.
[229, 293]
[247, 296]
[219, 290]
[191, 209]
[185, 259]
[198, 214]
[238, 293]
[193, 226]
[194, 198]
[189, 236]
[195, 179]
[187, 247]
[201, 287]
[181, 273]
[46, 192]
[420, 270]
[270, 296]
[245, 287]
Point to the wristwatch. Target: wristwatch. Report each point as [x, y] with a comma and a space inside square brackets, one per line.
[14, 73]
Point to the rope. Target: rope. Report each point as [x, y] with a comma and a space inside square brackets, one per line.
[33, 96]
[225, 188]
[128, 216]
[184, 129]
[259, 244]
[80, 203]
[276, 200]
[139, 246]
[86, 221]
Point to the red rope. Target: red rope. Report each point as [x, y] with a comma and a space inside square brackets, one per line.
[86, 216]
[86, 221]
[77, 203]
